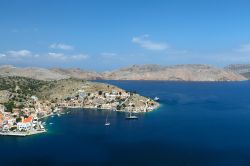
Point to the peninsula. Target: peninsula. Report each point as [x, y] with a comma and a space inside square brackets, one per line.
[23, 101]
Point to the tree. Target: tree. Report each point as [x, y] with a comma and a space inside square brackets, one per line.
[118, 107]
[18, 119]
[100, 93]
[9, 106]
[21, 106]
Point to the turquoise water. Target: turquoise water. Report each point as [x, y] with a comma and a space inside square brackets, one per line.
[197, 124]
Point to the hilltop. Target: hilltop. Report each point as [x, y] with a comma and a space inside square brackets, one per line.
[192, 72]
[31, 72]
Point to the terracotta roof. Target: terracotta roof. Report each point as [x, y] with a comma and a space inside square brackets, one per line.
[28, 120]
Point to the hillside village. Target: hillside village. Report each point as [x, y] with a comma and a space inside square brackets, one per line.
[19, 115]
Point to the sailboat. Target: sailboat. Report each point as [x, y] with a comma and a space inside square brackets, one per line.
[107, 123]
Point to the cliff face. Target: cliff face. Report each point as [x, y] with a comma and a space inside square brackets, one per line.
[243, 69]
[135, 72]
[174, 73]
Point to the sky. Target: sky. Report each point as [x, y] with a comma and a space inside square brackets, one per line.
[105, 35]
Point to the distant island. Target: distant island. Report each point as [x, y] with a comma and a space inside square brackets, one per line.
[23, 101]
[192, 72]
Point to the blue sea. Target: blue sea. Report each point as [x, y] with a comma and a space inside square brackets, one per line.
[198, 124]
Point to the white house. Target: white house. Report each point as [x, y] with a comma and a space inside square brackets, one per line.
[6, 128]
[23, 126]
[26, 124]
[11, 121]
[34, 98]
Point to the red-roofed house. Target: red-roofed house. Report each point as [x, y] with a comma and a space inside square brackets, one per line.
[25, 125]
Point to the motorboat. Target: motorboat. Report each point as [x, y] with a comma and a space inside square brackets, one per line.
[156, 98]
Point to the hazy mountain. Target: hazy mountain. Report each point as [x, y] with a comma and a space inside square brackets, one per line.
[243, 69]
[78, 73]
[31, 72]
[135, 72]
[177, 72]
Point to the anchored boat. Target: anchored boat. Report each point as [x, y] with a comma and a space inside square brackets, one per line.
[131, 117]
[156, 98]
[107, 123]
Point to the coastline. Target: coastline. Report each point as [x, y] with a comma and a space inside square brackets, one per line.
[22, 134]
[35, 132]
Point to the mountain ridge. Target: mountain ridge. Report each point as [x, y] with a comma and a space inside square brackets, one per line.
[185, 72]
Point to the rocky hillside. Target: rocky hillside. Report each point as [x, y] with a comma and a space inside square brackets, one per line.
[174, 73]
[18, 91]
[31, 72]
[78, 73]
[243, 69]
[135, 72]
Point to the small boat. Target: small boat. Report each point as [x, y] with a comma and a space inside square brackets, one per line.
[156, 98]
[50, 123]
[131, 117]
[56, 110]
[107, 123]
[58, 115]
[41, 126]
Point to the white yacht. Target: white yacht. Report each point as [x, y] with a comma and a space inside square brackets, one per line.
[156, 98]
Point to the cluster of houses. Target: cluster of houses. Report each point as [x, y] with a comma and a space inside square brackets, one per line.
[113, 100]
[11, 123]
[26, 119]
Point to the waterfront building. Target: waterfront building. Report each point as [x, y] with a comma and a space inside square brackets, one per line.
[25, 125]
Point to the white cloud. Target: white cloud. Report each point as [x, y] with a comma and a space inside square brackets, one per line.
[146, 43]
[61, 46]
[2, 55]
[243, 48]
[79, 56]
[58, 56]
[19, 53]
[26, 55]
[61, 56]
[108, 54]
